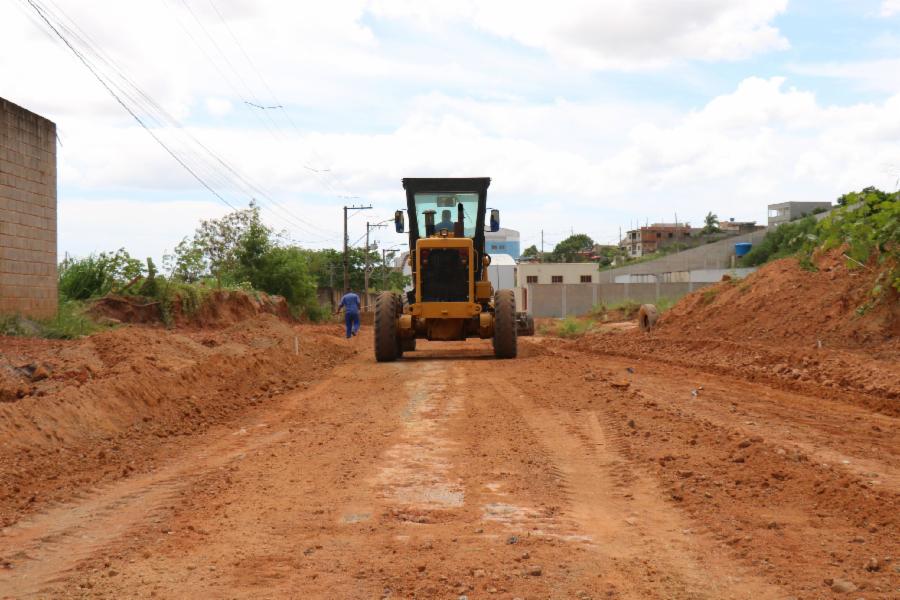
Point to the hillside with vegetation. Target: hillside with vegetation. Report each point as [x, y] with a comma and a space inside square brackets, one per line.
[237, 261]
[865, 227]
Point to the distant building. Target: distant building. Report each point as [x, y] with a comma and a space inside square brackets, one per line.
[505, 241]
[529, 274]
[651, 238]
[784, 212]
[739, 227]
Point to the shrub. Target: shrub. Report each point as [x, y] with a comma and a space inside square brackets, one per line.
[316, 313]
[785, 240]
[571, 327]
[870, 229]
[96, 275]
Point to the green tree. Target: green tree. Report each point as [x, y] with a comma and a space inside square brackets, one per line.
[711, 223]
[220, 241]
[254, 245]
[394, 279]
[572, 249]
[530, 252]
[187, 263]
[607, 254]
[283, 271]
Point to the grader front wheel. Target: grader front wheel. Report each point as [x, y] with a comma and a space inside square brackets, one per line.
[505, 345]
[387, 346]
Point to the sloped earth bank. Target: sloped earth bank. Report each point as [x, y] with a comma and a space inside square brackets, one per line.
[783, 303]
[562, 474]
[81, 413]
[800, 330]
[218, 308]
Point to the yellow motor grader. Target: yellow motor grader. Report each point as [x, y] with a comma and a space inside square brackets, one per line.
[452, 297]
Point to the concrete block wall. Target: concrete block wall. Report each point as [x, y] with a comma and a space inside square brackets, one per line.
[564, 299]
[27, 213]
[708, 256]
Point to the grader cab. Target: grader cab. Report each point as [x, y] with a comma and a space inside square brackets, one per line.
[452, 297]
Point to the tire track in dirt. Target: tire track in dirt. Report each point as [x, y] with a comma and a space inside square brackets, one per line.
[620, 511]
[798, 490]
[415, 472]
[47, 546]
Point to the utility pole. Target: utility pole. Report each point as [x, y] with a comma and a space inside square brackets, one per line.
[346, 244]
[366, 270]
[384, 252]
[542, 245]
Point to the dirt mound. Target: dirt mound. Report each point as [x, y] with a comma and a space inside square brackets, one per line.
[68, 405]
[797, 329]
[783, 302]
[219, 308]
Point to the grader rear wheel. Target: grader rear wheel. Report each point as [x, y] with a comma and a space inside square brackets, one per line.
[387, 346]
[505, 345]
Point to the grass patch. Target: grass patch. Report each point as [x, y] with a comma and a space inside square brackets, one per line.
[626, 308]
[570, 327]
[664, 304]
[709, 295]
[70, 322]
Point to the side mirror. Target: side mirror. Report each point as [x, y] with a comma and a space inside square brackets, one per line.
[495, 219]
[399, 221]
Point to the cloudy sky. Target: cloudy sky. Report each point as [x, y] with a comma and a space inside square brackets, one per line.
[589, 115]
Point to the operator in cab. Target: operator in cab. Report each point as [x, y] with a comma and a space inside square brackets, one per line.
[446, 221]
[350, 303]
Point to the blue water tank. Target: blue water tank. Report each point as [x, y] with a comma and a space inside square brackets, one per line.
[742, 248]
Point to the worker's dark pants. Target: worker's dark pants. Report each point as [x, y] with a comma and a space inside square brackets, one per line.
[351, 318]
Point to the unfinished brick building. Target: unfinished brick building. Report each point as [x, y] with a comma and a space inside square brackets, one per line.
[27, 213]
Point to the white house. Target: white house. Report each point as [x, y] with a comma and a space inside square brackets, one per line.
[537, 273]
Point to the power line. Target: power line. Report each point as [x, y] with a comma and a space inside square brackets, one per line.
[280, 104]
[226, 59]
[262, 107]
[268, 123]
[126, 107]
[133, 99]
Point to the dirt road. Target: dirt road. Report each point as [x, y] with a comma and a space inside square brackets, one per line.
[450, 474]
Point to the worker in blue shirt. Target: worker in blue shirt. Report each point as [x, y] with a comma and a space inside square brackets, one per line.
[350, 304]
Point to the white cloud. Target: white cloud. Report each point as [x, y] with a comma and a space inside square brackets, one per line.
[218, 107]
[611, 34]
[396, 108]
[90, 225]
[890, 8]
[763, 142]
[878, 75]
